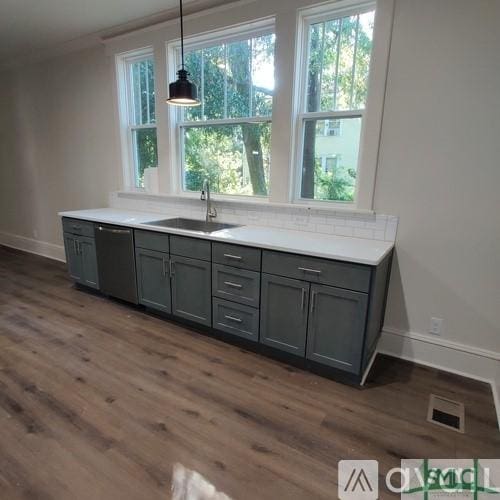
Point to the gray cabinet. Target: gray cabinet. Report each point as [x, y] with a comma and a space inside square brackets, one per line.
[87, 249]
[191, 289]
[73, 260]
[336, 327]
[238, 285]
[236, 319]
[283, 323]
[81, 259]
[153, 279]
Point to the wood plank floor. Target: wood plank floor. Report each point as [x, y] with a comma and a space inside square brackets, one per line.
[99, 400]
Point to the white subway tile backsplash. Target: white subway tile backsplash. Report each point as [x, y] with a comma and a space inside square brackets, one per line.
[343, 231]
[363, 232]
[368, 226]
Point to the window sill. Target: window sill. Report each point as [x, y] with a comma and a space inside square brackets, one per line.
[232, 200]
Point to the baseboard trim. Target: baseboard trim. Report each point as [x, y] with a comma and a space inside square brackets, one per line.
[453, 357]
[30, 245]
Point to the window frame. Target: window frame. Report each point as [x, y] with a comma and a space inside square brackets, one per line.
[231, 34]
[306, 18]
[124, 63]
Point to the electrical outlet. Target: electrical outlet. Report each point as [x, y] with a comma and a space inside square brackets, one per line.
[435, 326]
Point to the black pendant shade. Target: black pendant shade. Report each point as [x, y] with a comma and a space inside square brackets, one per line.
[182, 92]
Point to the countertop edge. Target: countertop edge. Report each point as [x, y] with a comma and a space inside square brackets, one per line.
[214, 237]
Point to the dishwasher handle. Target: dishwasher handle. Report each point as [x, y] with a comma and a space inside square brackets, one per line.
[114, 231]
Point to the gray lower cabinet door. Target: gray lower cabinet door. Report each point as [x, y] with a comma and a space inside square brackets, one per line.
[86, 248]
[191, 289]
[73, 258]
[153, 279]
[283, 322]
[336, 328]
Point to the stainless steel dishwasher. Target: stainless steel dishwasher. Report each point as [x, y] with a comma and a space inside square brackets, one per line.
[116, 262]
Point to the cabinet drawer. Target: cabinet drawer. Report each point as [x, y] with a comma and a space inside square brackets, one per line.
[150, 240]
[80, 227]
[190, 247]
[328, 272]
[237, 256]
[237, 319]
[239, 285]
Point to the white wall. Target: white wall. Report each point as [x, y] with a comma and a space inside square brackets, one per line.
[58, 142]
[438, 167]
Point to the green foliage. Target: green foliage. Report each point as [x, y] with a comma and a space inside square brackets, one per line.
[218, 153]
[147, 153]
[235, 158]
[339, 59]
[143, 114]
[336, 185]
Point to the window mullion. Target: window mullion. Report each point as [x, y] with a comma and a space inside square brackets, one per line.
[331, 115]
[335, 83]
[225, 80]
[147, 91]
[353, 73]
[225, 121]
[202, 83]
[322, 52]
[250, 94]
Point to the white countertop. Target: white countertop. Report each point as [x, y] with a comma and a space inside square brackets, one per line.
[358, 250]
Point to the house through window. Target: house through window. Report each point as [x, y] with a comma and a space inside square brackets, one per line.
[336, 83]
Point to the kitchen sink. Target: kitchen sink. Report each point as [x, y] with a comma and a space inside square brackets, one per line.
[199, 226]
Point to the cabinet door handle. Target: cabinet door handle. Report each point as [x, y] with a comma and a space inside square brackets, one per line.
[164, 267]
[233, 318]
[303, 298]
[234, 257]
[171, 268]
[313, 300]
[307, 270]
[234, 285]
[79, 248]
[75, 247]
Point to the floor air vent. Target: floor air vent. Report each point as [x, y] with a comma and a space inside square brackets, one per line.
[446, 413]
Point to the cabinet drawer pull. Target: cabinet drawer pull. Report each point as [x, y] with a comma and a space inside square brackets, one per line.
[307, 270]
[234, 285]
[233, 318]
[234, 257]
[76, 227]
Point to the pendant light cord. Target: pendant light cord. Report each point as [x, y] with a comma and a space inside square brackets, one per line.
[182, 36]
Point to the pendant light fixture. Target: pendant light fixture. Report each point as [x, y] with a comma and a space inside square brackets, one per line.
[182, 92]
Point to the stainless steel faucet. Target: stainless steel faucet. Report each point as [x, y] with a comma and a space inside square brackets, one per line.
[205, 195]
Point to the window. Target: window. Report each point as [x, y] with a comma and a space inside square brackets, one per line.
[138, 116]
[227, 138]
[335, 82]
